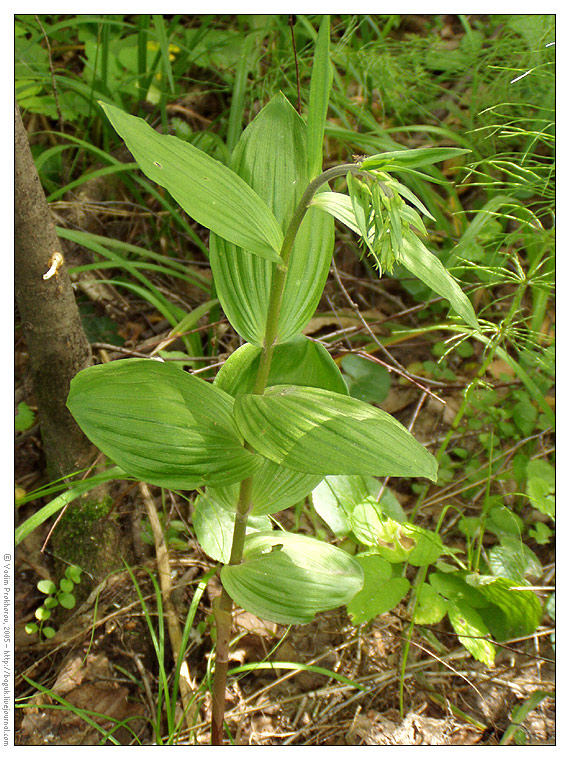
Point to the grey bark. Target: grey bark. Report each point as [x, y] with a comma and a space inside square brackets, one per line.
[58, 349]
[55, 339]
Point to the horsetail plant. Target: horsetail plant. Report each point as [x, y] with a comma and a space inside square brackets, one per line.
[278, 418]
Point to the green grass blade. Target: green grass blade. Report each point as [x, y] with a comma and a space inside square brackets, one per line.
[82, 713]
[55, 505]
[321, 80]
[106, 170]
[237, 107]
[298, 666]
[165, 53]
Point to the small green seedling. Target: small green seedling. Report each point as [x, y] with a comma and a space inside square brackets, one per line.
[55, 596]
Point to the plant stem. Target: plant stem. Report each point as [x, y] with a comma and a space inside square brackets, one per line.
[223, 608]
[280, 272]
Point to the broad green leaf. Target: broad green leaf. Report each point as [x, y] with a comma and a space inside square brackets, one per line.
[411, 159]
[541, 533]
[541, 497]
[313, 430]
[300, 361]
[271, 157]
[452, 586]
[214, 527]
[160, 425]
[366, 380]
[520, 611]
[207, 190]
[274, 488]
[335, 498]
[428, 548]
[540, 487]
[524, 416]
[502, 521]
[339, 205]
[66, 600]
[471, 630]
[538, 468]
[414, 256]
[321, 81]
[430, 607]
[288, 578]
[514, 560]
[67, 585]
[73, 573]
[380, 592]
[25, 418]
[396, 542]
[307, 273]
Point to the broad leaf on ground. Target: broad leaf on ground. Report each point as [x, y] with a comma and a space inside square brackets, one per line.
[520, 612]
[430, 607]
[471, 630]
[380, 592]
[288, 578]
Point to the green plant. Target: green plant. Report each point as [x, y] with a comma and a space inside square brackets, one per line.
[56, 595]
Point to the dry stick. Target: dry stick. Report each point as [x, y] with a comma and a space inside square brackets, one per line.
[165, 579]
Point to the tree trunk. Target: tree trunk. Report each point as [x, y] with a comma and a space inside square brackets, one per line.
[55, 339]
[58, 349]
